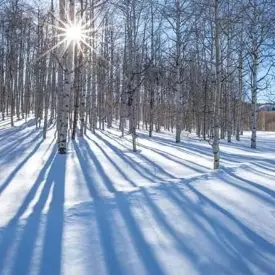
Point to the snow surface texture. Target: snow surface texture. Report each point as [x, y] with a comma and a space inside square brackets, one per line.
[102, 209]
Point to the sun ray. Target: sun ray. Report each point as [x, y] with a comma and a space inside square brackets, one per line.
[60, 21]
[53, 48]
[80, 48]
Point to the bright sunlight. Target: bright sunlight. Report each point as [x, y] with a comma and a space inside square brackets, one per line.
[74, 33]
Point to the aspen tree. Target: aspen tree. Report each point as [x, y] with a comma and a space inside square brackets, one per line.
[215, 144]
[67, 62]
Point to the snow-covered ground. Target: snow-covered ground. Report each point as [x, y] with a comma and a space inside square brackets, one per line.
[102, 209]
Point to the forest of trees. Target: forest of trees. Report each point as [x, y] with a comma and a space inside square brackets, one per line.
[181, 65]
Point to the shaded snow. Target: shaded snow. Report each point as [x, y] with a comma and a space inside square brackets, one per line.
[102, 209]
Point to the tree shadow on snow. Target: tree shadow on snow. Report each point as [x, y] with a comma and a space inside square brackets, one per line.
[11, 132]
[19, 152]
[204, 150]
[113, 261]
[215, 242]
[161, 172]
[49, 184]
[238, 248]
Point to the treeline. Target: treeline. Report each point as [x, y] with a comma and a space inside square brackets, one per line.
[182, 65]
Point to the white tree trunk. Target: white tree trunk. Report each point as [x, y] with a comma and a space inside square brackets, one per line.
[67, 61]
[215, 145]
[254, 100]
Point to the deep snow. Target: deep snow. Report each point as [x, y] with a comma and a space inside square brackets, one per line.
[102, 209]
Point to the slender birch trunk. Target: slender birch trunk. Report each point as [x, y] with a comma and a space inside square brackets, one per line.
[215, 145]
[67, 61]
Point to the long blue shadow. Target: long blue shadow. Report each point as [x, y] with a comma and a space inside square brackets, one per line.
[52, 250]
[53, 221]
[252, 251]
[10, 231]
[144, 158]
[16, 129]
[19, 166]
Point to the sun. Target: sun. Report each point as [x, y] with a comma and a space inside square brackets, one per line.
[73, 33]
